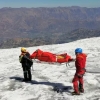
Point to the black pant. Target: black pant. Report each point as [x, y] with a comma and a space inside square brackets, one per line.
[27, 73]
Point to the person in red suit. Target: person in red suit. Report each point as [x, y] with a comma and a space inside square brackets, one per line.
[80, 63]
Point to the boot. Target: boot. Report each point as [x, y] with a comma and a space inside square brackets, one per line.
[81, 88]
[24, 80]
[76, 93]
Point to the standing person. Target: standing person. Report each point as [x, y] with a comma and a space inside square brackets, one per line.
[26, 62]
[80, 71]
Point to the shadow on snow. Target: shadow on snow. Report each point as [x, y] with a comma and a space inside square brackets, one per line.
[56, 86]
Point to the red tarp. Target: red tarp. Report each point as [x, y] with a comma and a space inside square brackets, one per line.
[50, 57]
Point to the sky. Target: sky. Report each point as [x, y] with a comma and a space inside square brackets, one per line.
[49, 3]
[46, 76]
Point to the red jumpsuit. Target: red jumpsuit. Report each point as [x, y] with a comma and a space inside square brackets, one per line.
[80, 71]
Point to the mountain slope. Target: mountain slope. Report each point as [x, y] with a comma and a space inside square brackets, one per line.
[24, 22]
[50, 39]
[39, 26]
[46, 76]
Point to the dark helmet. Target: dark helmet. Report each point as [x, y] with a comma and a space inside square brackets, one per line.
[78, 50]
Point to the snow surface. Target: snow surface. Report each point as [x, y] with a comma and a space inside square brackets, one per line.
[46, 76]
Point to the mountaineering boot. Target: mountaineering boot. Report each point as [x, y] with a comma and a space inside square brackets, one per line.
[81, 88]
[24, 80]
[29, 79]
[76, 93]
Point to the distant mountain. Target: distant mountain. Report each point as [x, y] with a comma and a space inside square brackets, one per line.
[53, 39]
[47, 25]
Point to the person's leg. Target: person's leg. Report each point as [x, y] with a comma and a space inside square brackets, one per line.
[81, 82]
[29, 75]
[75, 85]
[25, 74]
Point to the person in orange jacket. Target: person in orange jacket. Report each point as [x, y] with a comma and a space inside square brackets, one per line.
[26, 62]
[80, 64]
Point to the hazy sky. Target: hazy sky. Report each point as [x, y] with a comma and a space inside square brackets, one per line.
[49, 3]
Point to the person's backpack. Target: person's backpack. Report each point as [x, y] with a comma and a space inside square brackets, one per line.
[30, 62]
[20, 58]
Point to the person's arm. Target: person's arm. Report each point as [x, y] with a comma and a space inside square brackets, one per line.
[27, 56]
[72, 60]
[78, 62]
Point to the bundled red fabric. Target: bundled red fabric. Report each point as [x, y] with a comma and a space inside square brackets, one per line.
[50, 57]
[43, 56]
